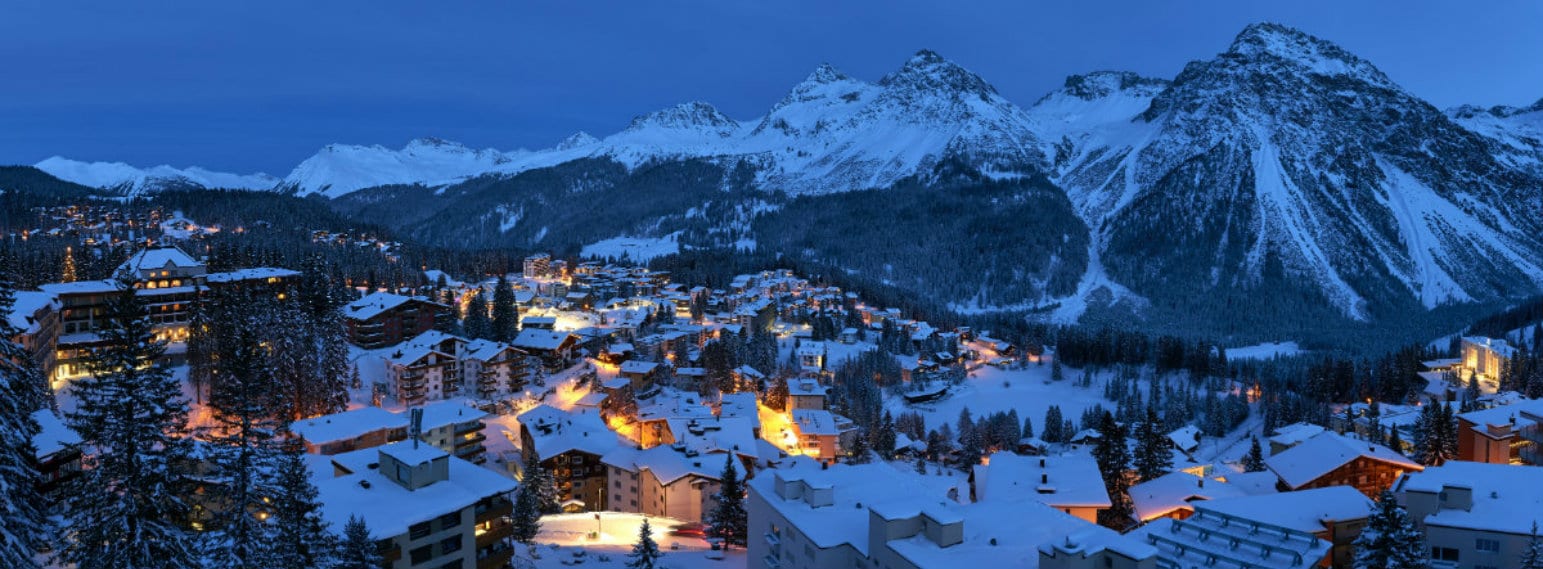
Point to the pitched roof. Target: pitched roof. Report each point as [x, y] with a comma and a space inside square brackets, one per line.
[1327, 451]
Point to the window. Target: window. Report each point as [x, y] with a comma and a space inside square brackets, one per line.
[1443, 554]
[403, 473]
[450, 545]
[449, 520]
[419, 531]
[457, 564]
[421, 554]
[1486, 545]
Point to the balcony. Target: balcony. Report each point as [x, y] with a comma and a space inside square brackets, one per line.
[497, 508]
[497, 531]
[773, 540]
[469, 426]
[494, 557]
[772, 562]
[470, 442]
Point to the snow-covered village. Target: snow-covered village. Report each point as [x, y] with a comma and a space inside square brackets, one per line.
[739, 285]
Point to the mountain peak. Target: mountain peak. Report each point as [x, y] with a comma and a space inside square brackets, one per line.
[928, 71]
[576, 140]
[826, 73]
[1089, 86]
[1271, 41]
[691, 115]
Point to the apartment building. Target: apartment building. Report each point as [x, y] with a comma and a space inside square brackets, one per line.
[384, 319]
[570, 445]
[1508, 434]
[427, 509]
[1070, 484]
[1475, 515]
[808, 515]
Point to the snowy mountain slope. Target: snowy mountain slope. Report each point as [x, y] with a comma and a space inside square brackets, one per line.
[830, 133]
[1519, 129]
[132, 181]
[1287, 159]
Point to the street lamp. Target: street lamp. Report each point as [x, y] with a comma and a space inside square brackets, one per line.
[597, 525]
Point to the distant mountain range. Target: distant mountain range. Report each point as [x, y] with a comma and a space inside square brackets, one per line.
[1285, 179]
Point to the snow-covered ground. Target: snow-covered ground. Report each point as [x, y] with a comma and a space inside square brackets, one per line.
[567, 538]
[990, 389]
[1263, 351]
[638, 249]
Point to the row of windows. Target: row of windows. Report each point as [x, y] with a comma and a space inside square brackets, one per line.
[447, 546]
[423, 529]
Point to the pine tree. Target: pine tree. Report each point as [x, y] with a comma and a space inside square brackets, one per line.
[921, 464]
[1055, 369]
[126, 509]
[860, 453]
[645, 553]
[544, 486]
[1028, 428]
[1152, 456]
[527, 514]
[1053, 426]
[22, 525]
[247, 410]
[1446, 433]
[1254, 461]
[505, 324]
[1532, 557]
[358, 550]
[1390, 539]
[1113, 457]
[885, 440]
[1424, 440]
[301, 537]
[67, 273]
[477, 325]
[729, 521]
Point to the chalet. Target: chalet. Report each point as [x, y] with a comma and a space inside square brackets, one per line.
[747, 377]
[555, 349]
[539, 322]
[383, 319]
[643, 377]
[570, 446]
[56, 448]
[806, 393]
[1292, 435]
[495, 367]
[811, 356]
[1332, 459]
[672, 481]
[1508, 434]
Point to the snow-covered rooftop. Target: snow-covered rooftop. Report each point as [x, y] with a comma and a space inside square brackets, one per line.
[53, 435]
[1506, 498]
[1325, 452]
[159, 258]
[389, 508]
[1176, 491]
[250, 274]
[1303, 510]
[806, 386]
[26, 306]
[377, 303]
[82, 287]
[1059, 481]
[815, 422]
[555, 431]
[538, 339]
[346, 425]
[1525, 413]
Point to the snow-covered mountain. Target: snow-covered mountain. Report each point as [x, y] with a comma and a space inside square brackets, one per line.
[342, 168]
[830, 133]
[131, 181]
[1286, 158]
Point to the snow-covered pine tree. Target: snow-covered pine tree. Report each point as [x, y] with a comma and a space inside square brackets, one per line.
[885, 440]
[544, 486]
[1446, 433]
[729, 521]
[860, 453]
[645, 553]
[1055, 369]
[1254, 460]
[527, 513]
[22, 525]
[1053, 426]
[1390, 539]
[505, 317]
[1113, 457]
[477, 325]
[1532, 556]
[1153, 458]
[358, 550]
[1028, 428]
[126, 510]
[248, 412]
[1423, 440]
[301, 538]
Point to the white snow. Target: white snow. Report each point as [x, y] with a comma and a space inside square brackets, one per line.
[637, 249]
[1264, 351]
[117, 175]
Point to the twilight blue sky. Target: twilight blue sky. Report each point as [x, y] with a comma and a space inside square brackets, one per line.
[243, 86]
